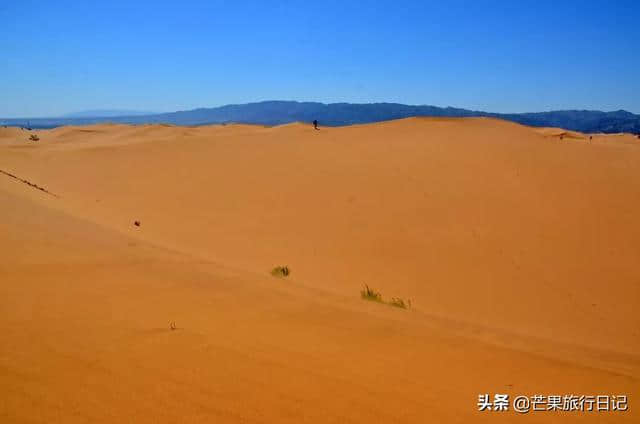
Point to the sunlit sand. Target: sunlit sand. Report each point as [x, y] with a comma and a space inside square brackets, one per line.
[518, 249]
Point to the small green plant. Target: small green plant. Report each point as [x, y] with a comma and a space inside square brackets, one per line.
[280, 271]
[370, 294]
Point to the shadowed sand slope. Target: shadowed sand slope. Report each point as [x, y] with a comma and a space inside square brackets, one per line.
[519, 252]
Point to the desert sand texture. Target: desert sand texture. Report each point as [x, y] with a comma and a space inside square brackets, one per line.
[518, 250]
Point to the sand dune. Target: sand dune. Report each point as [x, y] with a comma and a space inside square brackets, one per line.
[519, 252]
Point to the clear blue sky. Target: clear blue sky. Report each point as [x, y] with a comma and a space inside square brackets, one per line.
[502, 56]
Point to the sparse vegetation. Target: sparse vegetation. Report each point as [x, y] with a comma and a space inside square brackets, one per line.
[280, 271]
[370, 294]
[36, 186]
[399, 303]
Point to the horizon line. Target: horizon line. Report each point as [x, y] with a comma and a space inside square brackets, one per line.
[142, 114]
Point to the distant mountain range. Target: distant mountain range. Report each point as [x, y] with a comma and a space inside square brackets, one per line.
[338, 114]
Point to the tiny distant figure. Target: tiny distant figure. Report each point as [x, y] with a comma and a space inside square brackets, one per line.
[590, 138]
[561, 136]
[315, 124]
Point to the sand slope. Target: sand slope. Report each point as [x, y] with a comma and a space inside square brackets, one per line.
[519, 252]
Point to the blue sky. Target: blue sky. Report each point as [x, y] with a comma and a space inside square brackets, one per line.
[58, 57]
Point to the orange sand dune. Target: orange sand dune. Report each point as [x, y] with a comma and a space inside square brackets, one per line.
[519, 253]
[559, 132]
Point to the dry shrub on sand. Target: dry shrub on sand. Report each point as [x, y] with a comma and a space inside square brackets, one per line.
[280, 271]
